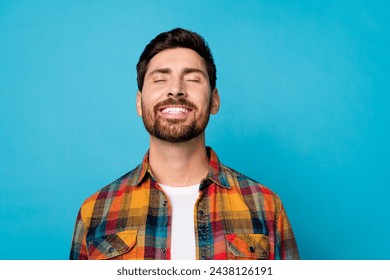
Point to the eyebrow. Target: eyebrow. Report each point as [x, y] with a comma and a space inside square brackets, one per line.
[194, 70]
[160, 71]
[185, 71]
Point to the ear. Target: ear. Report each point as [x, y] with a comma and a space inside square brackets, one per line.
[214, 102]
[138, 104]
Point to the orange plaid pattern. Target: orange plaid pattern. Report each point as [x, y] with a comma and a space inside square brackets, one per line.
[235, 218]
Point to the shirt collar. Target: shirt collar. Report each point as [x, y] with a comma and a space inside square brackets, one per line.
[216, 174]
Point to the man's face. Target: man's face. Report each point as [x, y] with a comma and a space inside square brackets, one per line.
[176, 99]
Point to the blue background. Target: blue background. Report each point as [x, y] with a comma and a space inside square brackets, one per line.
[304, 88]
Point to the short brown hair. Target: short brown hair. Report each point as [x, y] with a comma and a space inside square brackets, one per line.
[176, 38]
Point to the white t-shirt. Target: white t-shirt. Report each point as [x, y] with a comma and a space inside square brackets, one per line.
[182, 201]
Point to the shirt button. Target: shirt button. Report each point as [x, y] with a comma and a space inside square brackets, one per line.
[165, 203]
[200, 212]
[251, 249]
[163, 250]
[111, 250]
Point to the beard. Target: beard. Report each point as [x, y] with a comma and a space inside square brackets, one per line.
[175, 130]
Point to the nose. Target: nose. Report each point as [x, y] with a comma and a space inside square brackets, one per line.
[177, 88]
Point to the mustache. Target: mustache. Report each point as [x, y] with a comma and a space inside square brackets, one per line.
[175, 101]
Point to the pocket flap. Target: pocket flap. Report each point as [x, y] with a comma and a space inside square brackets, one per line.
[112, 245]
[254, 246]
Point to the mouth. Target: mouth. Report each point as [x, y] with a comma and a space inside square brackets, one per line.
[175, 111]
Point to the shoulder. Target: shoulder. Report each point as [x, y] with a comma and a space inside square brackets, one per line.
[247, 186]
[108, 193]
[116, 185]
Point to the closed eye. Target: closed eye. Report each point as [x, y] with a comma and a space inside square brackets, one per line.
[193, 78]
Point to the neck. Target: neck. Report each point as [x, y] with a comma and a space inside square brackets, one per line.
[179, 164]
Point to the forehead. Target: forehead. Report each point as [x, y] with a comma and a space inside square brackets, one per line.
[176, 59]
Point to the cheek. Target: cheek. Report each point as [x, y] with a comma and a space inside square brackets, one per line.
[205, 103]
[148, 100]
[151, 97]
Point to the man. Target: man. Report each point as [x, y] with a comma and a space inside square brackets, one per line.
[181, 202]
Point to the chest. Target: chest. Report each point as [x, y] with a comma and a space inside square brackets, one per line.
[226, 226]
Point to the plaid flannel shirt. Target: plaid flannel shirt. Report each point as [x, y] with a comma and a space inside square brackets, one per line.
[235, 218]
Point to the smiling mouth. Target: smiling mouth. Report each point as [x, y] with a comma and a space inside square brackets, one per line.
[175, 110]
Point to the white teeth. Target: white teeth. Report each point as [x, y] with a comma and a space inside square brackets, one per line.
[174, 110]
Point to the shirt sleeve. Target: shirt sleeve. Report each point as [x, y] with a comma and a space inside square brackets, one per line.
[79, 248]
[285, 244]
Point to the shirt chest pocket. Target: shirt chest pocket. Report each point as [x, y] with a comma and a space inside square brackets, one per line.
[247, 246]
[119, 245]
